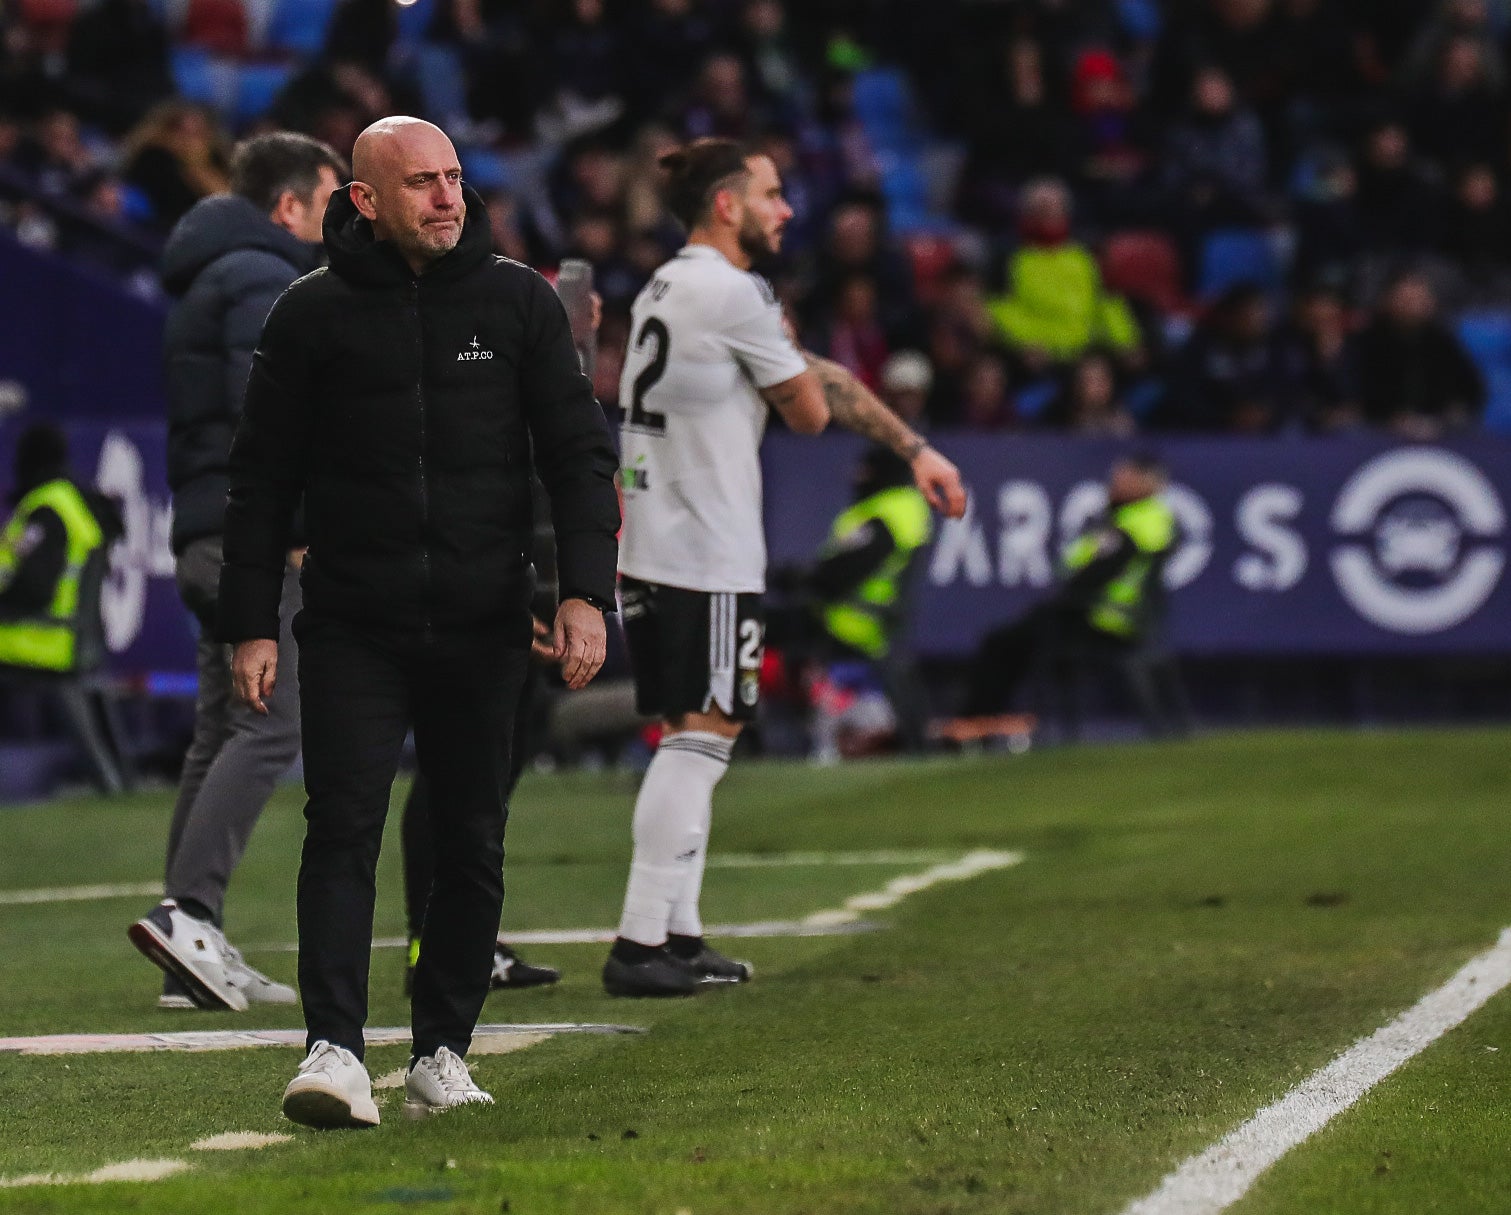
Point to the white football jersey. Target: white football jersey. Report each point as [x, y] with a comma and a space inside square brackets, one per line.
[704, 337]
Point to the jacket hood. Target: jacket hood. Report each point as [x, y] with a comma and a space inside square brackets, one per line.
[359, 257]
[227, 223]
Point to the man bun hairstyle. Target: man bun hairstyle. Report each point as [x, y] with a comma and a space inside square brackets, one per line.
[263, 167]
[698, 171]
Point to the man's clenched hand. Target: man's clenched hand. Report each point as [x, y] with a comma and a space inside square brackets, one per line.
[939, 481]
[254, 672]
[580, 642]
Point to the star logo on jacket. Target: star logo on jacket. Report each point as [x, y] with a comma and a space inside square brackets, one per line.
[475, 353]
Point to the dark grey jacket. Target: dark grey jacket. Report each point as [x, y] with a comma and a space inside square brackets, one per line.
[227, 262]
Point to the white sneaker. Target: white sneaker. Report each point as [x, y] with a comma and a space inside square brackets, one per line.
[256, 986]
[440, 1082]
[331, 1089]
[193, 951]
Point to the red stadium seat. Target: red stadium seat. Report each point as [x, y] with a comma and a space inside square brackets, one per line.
[1145, 266]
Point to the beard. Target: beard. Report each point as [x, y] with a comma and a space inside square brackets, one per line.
[438, 239]
[754, 242]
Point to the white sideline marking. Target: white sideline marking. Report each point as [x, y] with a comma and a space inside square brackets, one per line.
[780, 860]
[728, 860]
[834, 921]
[80, 894]
[972, 864]
[128, 1170]
[233, 1039]
[238, 1141]
[1220, 1176]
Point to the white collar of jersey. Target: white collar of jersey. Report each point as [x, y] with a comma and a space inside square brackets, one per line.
[703, 251]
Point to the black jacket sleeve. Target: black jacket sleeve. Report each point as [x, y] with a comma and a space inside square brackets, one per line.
[574, 454]
[35, 580]
[852, 563]
[267, 475]
[1115, 550]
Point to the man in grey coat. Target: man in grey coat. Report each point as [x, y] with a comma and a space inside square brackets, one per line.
[227, 260]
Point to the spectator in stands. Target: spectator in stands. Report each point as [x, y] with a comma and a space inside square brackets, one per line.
[1476, 235]
[1106, 109]
[1396, 202]
[1016, 131]
[1320, 364]
[986, 402]
[1461, 113]
[1329, 230]
[176, 156]
[1055, 306]
[857, 245]
[906, 379]
[1089, 403]
[55, 157]
[118, 62]
[1227, 379]
[853, 336]
[1215, 160]
[1416, 378]
[959, 329]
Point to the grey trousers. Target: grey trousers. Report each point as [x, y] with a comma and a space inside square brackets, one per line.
[236, 756]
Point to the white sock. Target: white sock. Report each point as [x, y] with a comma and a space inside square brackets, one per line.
[672, 815]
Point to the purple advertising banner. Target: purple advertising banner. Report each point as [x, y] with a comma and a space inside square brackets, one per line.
[147, 627]
[1339, 546]
[1288, 547]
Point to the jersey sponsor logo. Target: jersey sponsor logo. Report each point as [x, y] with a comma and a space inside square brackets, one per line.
[1419, 535]
[658, 289]
[475, 353]
[635, 476]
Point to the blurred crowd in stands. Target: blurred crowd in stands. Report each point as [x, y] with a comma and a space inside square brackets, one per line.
[1094, 216]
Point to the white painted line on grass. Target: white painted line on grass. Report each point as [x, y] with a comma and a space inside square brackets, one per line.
[127, 1170]
[973, 864]
[727, 860]
[1221, 1175]
[783, 860]
[238, 1141]
[834, 921]
[234, 1039]
[80, 894]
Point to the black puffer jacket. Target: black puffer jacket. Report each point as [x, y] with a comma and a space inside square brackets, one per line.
[227, 262]
[405, 411]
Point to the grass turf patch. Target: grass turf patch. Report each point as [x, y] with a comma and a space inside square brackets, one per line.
[1197, 927]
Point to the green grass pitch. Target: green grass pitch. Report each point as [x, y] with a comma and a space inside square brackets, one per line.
[1196, 927]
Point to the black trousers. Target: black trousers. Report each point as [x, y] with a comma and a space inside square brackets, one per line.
[417, 832]
[360, 692]
[1007, 654]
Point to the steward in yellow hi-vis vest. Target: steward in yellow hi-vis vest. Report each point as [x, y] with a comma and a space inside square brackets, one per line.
[863, 568]
[1107, 591]
[56, 528]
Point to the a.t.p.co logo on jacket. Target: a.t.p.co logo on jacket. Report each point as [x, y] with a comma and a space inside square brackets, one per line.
[474, 352]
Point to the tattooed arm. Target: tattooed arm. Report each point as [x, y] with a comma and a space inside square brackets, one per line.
[857, 408]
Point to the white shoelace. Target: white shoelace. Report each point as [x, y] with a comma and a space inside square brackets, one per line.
[326, 1058]
[452, 1075]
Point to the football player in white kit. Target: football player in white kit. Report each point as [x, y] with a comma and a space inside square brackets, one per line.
[708, 354]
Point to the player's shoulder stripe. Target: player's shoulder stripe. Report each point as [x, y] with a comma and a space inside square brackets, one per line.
[768, 292]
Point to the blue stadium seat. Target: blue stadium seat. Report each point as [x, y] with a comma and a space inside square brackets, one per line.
[300, 25]
[1487, 337]
[1140, 19]
[881, 98]
[485, 170]
[1230, 256]
[257, 86]
[414, 19]
[195, 75]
